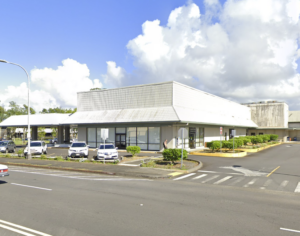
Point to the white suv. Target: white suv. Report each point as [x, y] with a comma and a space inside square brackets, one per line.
[36, 148]
[78, 149]
[107, 152]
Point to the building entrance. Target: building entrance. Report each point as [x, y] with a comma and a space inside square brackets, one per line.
[121, 141]
[192, 137]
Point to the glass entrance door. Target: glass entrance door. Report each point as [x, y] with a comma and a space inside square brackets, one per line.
[192, 137]
[121, 141]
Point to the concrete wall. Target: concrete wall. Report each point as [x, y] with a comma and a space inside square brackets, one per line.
[294, 124]
[82, 134]
[270, 114]
[167, 132]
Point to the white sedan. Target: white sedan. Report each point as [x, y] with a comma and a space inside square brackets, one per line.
[107, 152]
[3, 171]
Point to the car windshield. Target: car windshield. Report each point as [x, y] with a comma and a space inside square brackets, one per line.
[78, 145]
[109, 146]
[3, 143]
[35, 144]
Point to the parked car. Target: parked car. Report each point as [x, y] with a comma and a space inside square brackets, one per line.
[3, 171]
[36, 148]
[7, 146]
[54, 141]
[107, 151]
[78, 149]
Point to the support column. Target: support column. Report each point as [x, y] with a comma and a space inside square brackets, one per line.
[60, 134]
[67, 133]
[34, 132]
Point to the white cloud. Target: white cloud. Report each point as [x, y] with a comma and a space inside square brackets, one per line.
[249, 52]
[53, 88]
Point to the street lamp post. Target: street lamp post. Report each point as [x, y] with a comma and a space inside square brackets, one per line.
[28, 136]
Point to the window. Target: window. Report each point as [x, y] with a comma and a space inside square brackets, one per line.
[142, 138]
[78, 145]
[261, 133]
[131, 136]
[252, 134]
[154, 138]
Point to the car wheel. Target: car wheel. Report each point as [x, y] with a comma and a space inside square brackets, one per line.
[45, 152]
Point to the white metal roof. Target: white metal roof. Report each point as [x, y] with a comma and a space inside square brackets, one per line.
[294, 116]
[52, 119]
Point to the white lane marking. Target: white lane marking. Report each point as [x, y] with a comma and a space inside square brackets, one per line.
[185, 176]
[250, 183]
[266, 184]
[223, 180]
[207, 171]
[245, 171]
[297, 190]
[200, 176]
[283, 185]
[24, 228]
[236, 181]
[28, 186]
[15, 230]
[128, 165]
[291, 230]
[211, 178]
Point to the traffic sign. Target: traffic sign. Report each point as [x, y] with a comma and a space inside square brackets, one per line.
[221, 130]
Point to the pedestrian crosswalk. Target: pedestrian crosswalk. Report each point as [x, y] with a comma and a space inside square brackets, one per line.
[239, 180]
[68, 174]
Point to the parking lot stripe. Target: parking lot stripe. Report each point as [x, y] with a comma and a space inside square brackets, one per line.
[16, 230]
[266, 184]
[28, 186]
[185, 176]
[200, 176]
[283, 185]
[211, 178]
[223, 180]
[250, 183]
[23, 228]
[297, 190]
[291, 230]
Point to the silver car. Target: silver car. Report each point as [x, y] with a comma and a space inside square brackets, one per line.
[7, 146]
[3, 171]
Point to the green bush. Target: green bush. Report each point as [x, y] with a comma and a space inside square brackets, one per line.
[257, 140]
[133, 150]
[264, 137]
[20, 152]
[229, 144]
[173, 154]
[43, 156]
[273, 137]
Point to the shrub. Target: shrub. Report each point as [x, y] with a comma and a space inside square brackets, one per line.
[265, 138]
[257, 140]
[133, 150]
[173, 154]
[43, 156]
[229, 144]
[273, 137]
[59, 158]
[246, 141]
[20, 152]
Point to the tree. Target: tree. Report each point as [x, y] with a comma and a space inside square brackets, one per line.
[41, 132]
[58, 110]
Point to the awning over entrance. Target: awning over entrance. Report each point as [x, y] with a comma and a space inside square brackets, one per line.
[52, 119]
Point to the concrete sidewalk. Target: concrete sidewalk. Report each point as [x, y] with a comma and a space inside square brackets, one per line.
[110, 169]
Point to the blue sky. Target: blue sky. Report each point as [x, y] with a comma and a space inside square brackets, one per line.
[41, 34]
[242, 50]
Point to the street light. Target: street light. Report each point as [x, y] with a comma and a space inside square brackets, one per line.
[28, 136]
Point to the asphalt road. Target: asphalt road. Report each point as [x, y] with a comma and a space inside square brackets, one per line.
[63, 203]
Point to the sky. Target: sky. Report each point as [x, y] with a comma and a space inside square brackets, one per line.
[241, 50]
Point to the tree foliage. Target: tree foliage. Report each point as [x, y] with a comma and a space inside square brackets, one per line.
[58, 110]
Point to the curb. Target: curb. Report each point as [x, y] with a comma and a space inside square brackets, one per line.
[58, 168]
[226, 155]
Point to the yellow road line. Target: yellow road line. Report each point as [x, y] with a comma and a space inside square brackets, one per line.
[273, 171]
[175, 173]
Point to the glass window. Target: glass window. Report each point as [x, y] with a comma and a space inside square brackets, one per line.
[110, 139]
[154, 147]
[131, 136]
[92, 137]
[78, 145]
[201, 136]
[154, 135]
[142, 135]
[107, 146]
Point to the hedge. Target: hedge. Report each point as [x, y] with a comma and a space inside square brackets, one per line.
[133, 150]
[173, 154]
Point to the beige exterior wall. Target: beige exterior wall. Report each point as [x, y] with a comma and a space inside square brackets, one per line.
[282, 133]
[82, 134]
